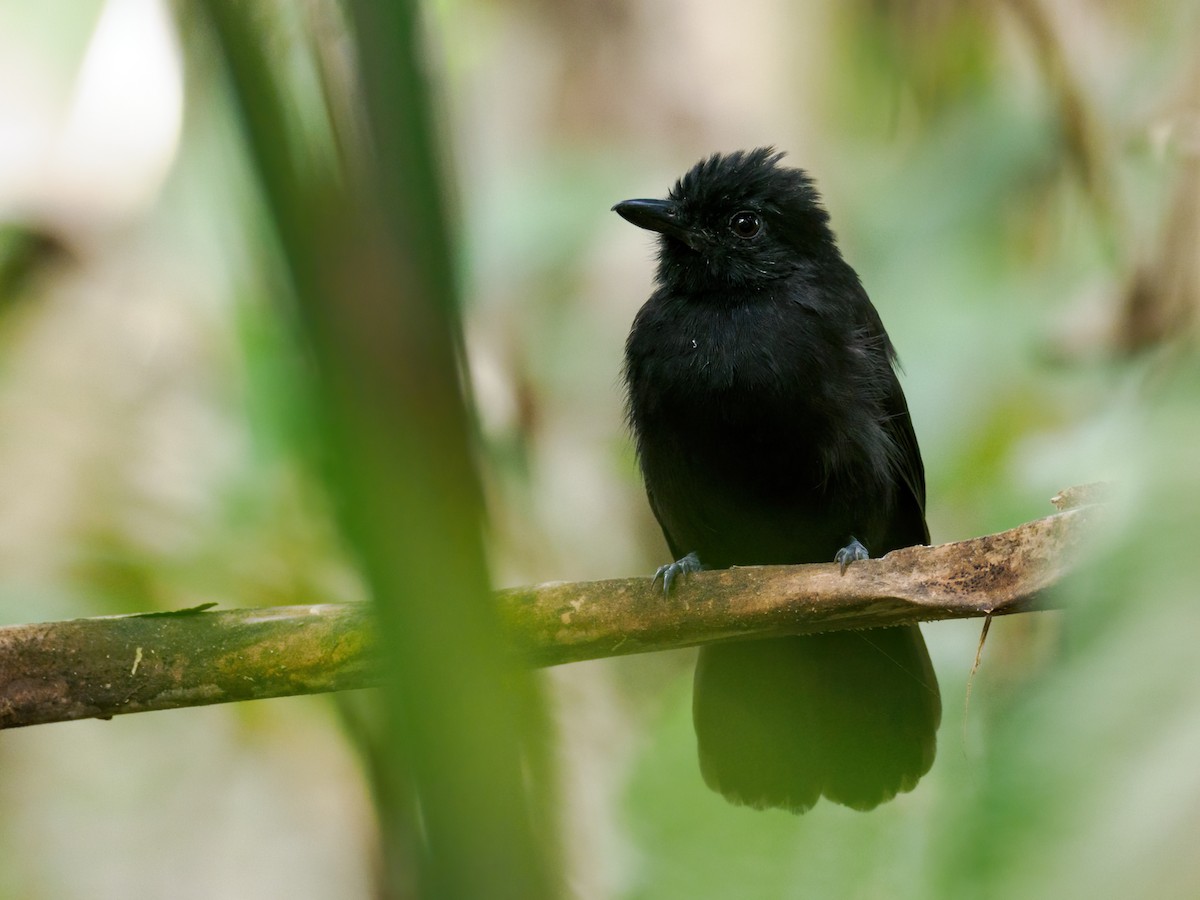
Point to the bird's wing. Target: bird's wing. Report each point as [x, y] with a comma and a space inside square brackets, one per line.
[909, 525]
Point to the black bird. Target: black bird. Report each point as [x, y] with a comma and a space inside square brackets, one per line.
[771, 429]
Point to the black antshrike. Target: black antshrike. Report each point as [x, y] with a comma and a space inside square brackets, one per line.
[771, 429]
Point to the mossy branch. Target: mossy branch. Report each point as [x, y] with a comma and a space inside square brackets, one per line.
[101, 667]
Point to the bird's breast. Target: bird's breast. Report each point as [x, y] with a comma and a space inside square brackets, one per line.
[697, 349]
[745, 442]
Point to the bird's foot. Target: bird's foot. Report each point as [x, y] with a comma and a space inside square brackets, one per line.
[852, 552]
[685, 566]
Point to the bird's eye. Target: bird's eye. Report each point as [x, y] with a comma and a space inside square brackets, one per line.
[745, 224]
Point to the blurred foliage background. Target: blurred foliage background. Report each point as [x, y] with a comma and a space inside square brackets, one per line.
[1016, 181]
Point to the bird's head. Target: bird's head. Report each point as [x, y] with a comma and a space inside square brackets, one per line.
[737, 220]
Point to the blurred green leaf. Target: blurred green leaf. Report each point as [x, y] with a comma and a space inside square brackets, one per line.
[368, 255]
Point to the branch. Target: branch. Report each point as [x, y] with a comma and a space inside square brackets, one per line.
[994, 575]
[101, 667]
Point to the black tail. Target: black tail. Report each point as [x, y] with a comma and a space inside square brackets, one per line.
[850, 715]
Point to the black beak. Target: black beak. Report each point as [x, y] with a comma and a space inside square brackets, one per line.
[656, 215]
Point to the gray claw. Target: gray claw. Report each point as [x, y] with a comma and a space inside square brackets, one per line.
[850, 553]
[685, 566]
